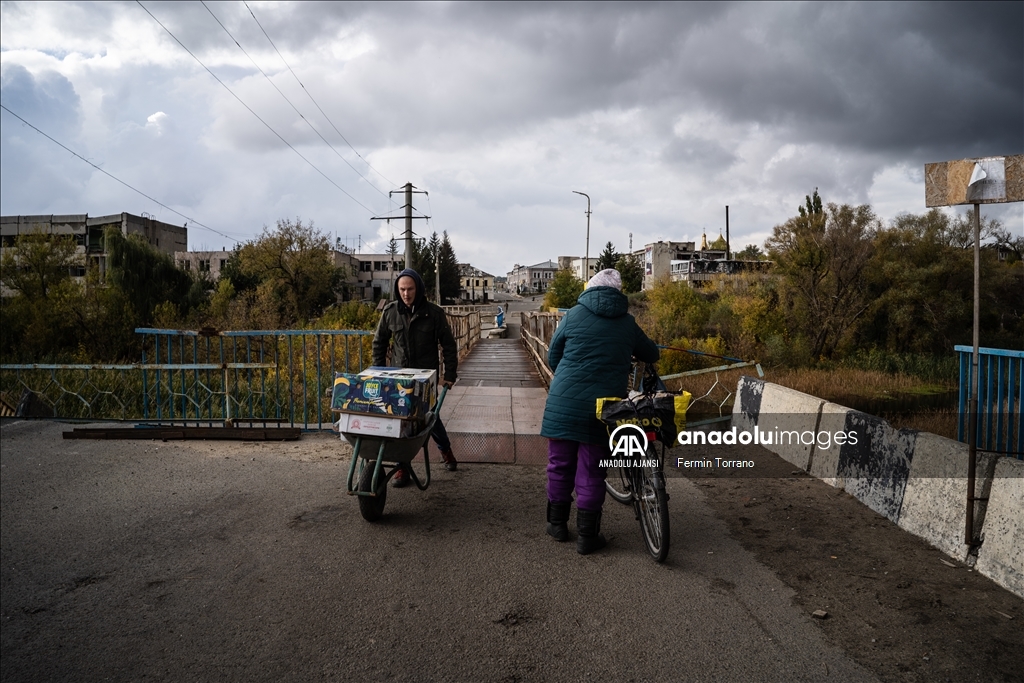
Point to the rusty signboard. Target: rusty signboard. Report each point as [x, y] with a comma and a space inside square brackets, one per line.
[986, 180]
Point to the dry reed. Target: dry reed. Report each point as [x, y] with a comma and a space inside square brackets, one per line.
[941, 421]
[838, 383]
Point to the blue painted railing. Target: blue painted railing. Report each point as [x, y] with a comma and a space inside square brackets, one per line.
[1001, 375]
[290, 385]
[198, 377]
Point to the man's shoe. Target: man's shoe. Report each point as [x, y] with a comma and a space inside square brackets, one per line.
[448, 458]
[401, 478]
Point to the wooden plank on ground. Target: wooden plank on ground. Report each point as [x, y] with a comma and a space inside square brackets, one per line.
[188, 433]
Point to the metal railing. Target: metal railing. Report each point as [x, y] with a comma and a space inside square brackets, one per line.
[208, 377]
[1001, 375]
[118, 391]
[292, 389]
[538, 328]
[199, 377]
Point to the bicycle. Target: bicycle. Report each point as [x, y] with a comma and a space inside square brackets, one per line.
[642, 482]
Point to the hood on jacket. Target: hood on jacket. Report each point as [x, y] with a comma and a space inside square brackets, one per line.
[606, 302]
[421, 290]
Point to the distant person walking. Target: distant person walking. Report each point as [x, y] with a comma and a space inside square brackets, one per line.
[413, 328]
[590, 354]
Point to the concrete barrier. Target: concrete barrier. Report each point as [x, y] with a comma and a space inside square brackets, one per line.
[935, 500]
[875, 469]
[1001, 556]
[791, 419]
[825, 461]
[915, 479]
[748, 403]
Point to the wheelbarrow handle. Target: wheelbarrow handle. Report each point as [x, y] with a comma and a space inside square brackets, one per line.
[440, 399]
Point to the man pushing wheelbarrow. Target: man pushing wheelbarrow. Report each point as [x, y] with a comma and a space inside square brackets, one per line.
[413, 329]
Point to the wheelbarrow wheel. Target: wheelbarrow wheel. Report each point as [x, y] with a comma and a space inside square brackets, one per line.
[370, 507]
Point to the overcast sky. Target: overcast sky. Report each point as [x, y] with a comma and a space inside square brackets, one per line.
[662, 113]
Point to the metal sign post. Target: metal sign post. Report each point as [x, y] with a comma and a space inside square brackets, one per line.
[988, 180]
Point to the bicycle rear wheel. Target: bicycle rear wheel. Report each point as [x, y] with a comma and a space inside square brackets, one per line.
[618, 485]
[651, 502]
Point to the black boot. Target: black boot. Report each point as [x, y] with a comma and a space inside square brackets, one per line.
[558, 520]
[589, 525]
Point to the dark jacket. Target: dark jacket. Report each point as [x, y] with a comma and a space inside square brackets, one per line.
[415, 333]
[590, 353]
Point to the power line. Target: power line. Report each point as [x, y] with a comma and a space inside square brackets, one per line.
[240, 101]
[109, 175]
[290, 103]
[292, 71]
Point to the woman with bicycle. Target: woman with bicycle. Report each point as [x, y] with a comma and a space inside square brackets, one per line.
[590, 354]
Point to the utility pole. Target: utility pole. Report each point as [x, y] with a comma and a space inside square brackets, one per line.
[408, 190]
[437, 275]
[727, 257]
[586, 258]
[408, 225]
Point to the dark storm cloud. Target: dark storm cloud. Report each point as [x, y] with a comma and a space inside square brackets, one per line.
[500, 109]
[892, 77]
[888, 77]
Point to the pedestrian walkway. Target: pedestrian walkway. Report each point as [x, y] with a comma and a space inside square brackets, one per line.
[493, 413]
[498, 363]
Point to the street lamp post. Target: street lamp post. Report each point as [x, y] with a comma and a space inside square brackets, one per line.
[586, 258]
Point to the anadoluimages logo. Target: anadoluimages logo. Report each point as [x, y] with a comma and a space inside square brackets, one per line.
[628, 441]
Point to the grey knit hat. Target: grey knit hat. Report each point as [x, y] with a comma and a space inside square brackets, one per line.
[609, 277]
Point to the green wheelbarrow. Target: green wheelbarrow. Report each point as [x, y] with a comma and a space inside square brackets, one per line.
[375, 460]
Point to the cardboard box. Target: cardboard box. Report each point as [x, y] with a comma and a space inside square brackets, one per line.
[375, 425]
[395, 392]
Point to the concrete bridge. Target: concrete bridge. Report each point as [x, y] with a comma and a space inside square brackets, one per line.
[493, 413]
[189, 560]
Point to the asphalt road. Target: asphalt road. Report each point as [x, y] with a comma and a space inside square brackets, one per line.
[141, 560]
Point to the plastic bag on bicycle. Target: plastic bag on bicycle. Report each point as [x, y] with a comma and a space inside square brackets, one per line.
[662, 413]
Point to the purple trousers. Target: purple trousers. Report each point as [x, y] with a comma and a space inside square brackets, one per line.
[574, 465]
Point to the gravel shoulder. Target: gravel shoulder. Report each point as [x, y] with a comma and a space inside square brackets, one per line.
[898, 606]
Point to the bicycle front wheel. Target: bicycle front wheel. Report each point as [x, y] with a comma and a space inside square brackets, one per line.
[651, 502]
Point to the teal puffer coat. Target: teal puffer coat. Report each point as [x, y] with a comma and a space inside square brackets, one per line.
[590, 354]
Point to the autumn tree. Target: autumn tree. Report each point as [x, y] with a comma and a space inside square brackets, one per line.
[923, 283]
[38, 262]
[49, 315]
[565, 288]
[822, 256]
[632, 272]
[294, 264]
[751, 252]
[148, 278]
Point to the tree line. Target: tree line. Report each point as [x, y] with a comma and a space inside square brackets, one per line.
[284, 278]
[845, 288]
